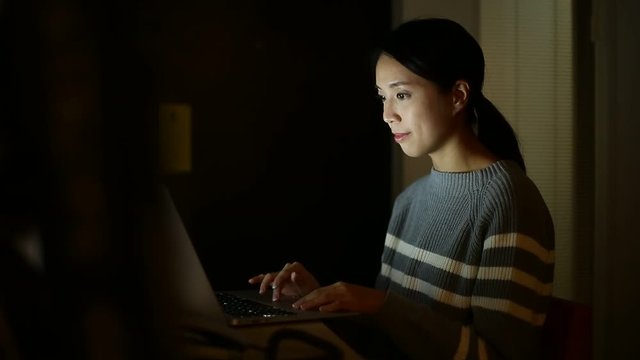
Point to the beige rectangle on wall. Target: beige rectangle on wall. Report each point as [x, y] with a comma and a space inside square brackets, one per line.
[174, 141]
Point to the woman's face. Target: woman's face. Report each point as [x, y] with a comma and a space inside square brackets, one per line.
[419, 113]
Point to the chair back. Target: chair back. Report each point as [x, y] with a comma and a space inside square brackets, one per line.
[567, 332]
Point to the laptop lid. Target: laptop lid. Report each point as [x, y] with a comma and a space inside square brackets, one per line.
[191, 291]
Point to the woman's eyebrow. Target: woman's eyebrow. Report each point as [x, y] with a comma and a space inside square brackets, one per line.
[395, 84]
[398, 83]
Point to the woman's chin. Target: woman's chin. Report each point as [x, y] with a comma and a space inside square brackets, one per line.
[411, 152]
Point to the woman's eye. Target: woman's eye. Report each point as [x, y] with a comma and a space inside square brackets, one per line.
[402, 96]
[381, 98]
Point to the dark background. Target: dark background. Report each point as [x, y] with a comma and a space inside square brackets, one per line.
[291, 160]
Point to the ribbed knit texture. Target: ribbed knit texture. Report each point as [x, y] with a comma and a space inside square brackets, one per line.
[468, 265]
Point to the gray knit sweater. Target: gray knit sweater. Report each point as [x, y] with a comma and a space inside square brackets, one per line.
[468, 266]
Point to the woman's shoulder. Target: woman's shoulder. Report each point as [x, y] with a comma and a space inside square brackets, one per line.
[416, 186]
[411, 192]
[511, 179]
[513, 198]
[510, 187]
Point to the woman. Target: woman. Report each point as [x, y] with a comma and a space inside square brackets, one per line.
[467, 266]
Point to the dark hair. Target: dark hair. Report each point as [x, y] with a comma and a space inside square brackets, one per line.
[442, 51]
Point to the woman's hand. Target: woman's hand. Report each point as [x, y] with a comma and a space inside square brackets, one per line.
[342, 296]
[292, 280]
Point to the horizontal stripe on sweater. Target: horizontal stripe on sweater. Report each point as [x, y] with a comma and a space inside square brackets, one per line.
[471, 272]
[465, 302]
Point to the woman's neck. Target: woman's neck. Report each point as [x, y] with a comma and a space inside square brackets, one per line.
[461, 153]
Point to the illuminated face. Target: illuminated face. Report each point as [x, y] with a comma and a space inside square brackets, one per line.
[419, 113]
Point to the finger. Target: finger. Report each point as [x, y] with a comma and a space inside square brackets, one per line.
[332, 306]
[294, 279]
[283, 275]
[279, 284]
[266, 282]
[281, 278]
[315, 299]
[256, 279]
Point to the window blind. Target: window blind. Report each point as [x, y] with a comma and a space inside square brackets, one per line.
[528, 47]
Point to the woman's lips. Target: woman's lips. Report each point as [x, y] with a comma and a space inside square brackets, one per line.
[399, 137]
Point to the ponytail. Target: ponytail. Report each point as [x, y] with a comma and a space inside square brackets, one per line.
[495, 133]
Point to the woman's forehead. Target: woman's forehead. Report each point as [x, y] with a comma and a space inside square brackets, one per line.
[392, 74]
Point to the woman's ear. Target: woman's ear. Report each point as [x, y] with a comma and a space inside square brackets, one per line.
[460, 95]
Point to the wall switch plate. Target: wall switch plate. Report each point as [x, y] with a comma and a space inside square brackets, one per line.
[175, 137]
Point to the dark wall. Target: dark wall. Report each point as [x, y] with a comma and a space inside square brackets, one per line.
[291, 160]
[77, 175]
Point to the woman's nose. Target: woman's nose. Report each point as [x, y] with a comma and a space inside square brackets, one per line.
[389, 115]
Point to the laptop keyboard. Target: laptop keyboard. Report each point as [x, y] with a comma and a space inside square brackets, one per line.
[241, 307]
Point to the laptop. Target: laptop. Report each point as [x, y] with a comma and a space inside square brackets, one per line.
[193, 293]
